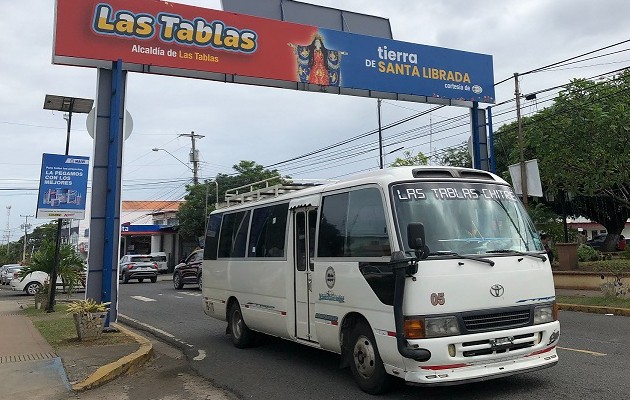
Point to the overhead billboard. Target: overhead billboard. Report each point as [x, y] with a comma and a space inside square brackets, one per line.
[62, 187]
[174, 39]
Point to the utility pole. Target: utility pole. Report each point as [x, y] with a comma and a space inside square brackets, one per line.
[194, 155]
[8, 228]
[521, 146]
[26, 226]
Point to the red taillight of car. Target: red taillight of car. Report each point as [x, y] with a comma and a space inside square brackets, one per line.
[155, 265]
[130, 266]
[16, 274]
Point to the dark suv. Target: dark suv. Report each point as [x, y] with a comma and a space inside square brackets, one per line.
[138, 267]
[189, 270]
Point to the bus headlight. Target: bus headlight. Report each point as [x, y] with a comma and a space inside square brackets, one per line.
[441, 326]
[544, 314]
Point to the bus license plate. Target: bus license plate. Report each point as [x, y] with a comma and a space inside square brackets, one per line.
[502, 343]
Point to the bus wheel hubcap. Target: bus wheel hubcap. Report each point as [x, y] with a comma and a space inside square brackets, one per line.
[364, 357]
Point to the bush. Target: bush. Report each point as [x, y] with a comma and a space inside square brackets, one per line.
[587, 253]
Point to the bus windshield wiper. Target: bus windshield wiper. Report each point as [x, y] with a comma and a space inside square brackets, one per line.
[452, 253]
[520, 253]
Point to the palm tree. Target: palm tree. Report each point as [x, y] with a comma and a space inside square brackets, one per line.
[71, 265]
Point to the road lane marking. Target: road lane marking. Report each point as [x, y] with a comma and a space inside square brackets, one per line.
[201, 356]
[178, 297]
[142, 298]
[157, 330]
[191, 294]
[593, 353]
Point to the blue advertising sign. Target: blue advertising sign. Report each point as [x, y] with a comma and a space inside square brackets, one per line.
[373, 63]
[62, 186]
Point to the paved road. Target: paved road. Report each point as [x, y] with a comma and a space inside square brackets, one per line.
[594, 355]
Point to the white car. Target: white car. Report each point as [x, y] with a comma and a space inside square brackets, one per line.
[31, 282]
[34, 281]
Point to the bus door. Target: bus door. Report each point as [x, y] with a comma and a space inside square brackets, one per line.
[304, 222]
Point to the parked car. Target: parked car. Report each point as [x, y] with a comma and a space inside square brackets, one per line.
[188, 272]
[597, 241]
[31, 283]
[137, 266]
[36, 280]
[7, 274]
[161, 260]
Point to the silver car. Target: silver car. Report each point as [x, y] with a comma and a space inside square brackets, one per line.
[6, 275]
[138, 267]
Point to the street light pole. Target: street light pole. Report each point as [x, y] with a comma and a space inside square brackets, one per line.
[69, 105]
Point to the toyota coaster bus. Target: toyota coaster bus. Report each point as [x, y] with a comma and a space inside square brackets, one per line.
[434, 275]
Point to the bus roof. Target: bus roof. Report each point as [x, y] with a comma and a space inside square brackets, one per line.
[383, 177]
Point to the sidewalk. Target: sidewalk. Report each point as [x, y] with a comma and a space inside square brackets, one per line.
[28, 365]
[31, 370]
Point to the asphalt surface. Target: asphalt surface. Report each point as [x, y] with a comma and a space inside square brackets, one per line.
[594, 353]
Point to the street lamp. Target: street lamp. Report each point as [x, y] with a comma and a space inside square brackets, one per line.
[69, 105]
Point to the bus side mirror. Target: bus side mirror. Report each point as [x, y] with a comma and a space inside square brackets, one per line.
[416, 239]
[415, 235]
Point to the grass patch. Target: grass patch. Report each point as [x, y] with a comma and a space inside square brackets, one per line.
[59, 330]
[616, 265]
[616, 302]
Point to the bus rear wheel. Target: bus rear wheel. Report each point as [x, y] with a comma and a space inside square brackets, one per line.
[365, 361]
[242, 336]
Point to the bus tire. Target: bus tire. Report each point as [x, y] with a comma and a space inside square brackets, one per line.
[242, 336]
[365, 361]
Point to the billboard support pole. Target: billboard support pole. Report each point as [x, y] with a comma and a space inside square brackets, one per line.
[102, 285]
[112, 170]
[493, 163]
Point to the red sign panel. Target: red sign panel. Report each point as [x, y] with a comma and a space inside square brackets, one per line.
[150, 32]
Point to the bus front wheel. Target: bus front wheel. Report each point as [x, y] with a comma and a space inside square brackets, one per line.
[242, 336]
[365, 361]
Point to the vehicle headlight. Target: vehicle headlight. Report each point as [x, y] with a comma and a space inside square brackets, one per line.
[441, 326]
[545, 314]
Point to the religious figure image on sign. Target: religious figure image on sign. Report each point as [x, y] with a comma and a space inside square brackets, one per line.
[316, 64]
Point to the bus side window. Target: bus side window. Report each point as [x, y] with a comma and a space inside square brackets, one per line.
[212, 237]
[353, 224]
[232, 240]
[268, 232]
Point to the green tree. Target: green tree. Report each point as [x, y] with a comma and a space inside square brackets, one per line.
[456, 157]
[409, 159]
[583, 148]
[192, 213]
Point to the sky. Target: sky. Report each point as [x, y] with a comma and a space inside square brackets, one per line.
[281, 124]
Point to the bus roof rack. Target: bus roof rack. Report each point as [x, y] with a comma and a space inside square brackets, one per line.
[268, 188]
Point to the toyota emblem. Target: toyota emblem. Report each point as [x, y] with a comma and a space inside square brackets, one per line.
[497, 290]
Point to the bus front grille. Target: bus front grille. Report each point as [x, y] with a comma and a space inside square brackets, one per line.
[482, 322]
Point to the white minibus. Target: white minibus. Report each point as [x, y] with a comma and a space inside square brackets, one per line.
[433, 275]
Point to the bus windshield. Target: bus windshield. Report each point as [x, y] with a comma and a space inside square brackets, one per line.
[464, 217]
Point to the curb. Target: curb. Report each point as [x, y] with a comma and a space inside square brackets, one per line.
[625, 312]
[113, 370]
